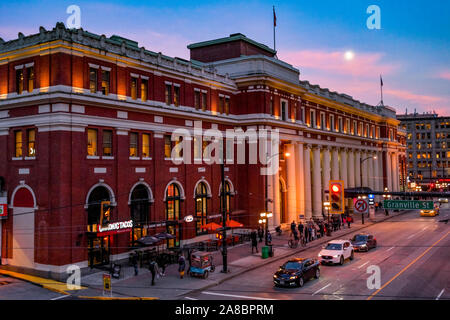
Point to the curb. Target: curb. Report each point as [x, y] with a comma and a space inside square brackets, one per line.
[117, 298]
[263, 263]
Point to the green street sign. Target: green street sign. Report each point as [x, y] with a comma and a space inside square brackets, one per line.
[408, 205]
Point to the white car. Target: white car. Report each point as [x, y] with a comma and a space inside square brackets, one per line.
[336, 251]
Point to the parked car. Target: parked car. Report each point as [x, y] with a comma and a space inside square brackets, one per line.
[336, 251]
[363, 242]
[296, 271]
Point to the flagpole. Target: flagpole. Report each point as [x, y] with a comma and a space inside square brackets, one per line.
[274, 25]
[381, 86]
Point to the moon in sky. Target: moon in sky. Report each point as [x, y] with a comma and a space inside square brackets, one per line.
[349, 55]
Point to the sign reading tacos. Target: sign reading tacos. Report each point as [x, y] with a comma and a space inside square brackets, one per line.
[115, 226]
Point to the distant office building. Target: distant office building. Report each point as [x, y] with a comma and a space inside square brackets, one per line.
[428, 138]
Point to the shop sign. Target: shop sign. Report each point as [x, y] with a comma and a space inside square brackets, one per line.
[3, 210]
[117, 226]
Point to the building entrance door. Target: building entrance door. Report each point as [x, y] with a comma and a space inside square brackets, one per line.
[98, 251]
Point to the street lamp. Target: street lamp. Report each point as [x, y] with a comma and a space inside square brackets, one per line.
[264, 219]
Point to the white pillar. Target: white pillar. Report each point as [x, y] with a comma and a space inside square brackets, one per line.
[335, 164]
[351, 169]
[291, 183]
[343, 169]
[326, 170]
[364, 169]
[395, 168]
[376, 172]
[317, 184]
[357, 168]
[276, 215]
[370, 172]
[300, 172]
[389, 170]
[307, 172]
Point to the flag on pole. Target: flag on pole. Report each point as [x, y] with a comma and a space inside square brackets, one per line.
[381, 80]
[274, 17]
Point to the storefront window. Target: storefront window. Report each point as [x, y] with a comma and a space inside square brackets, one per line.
[140, 212]
[173, 200]
[201, 208]
[228, 196]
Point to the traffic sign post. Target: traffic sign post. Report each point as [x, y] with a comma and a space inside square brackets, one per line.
[107, 283]
[361, 206]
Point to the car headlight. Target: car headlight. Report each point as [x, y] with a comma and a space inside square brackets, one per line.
[293, 277]
[275, 276]
[336, 256]
[319, 255]
[364, 245]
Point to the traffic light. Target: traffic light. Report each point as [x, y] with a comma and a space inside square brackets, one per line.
[336, 189]
[105, 212]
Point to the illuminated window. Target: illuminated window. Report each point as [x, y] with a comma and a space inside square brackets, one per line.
[227, 105]
[347, 126]
[284, 110]
[92, 142]
[221, 104]
[176, 95]
[31, 140]
[93, 80]
[30, 75]
[197, 99]
[168, 94]
[19, 81]
[303, 115]
[322, 121]
[134, 82]
[145, 145]
[144, 89]
[134, 144]
[312, 118]
[228, 196]
[355, 128]
[167, 146]
[341, 125]
[271, 106]
[105, 82]
[204, 101]
[332, 124]
[107, 142]
[18, 143]
[201, 208]
[173, 199]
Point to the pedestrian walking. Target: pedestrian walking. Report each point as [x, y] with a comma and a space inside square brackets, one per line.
[349, 221]
[152, 267]
[344, 221]
[134, 262]
[309, 233]
[321, 229]
[300, 229]
[254, 241]
[386, 212]
[181, 265]
[269, 238]
[260, 233]
[163, 264]
[293, 227]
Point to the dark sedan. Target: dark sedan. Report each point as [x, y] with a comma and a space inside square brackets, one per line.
[363, 242]
[295, 272]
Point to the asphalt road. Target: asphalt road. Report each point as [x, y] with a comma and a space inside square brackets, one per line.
[14, 289]
[413, 256]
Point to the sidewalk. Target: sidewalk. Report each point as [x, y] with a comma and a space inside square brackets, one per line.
[240, 260]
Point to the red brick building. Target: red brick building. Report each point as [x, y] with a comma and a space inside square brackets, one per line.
[86, 119]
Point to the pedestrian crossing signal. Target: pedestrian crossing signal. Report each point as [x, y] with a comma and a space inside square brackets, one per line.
[336, 189]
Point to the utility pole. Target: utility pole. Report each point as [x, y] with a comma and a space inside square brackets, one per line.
[224, 214]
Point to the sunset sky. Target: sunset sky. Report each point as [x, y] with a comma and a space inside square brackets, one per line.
[411, 51]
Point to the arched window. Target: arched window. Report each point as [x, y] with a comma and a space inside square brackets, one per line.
[228, 195]
[97, 195]
[173, 200]
[140, 212]
[201, 207]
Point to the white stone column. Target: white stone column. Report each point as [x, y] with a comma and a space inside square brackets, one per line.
[291, 183]
[300, 173]
[276, 215]
[358, 168]
[335, 164]
[376, 172]
[326, 169]
[317, 184]
[351, 169]
[370, 171]
[395, 172]
[343, 168]
[389, 170]
[307, 173]
[364, 169]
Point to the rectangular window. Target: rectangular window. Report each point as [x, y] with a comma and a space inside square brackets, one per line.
[168, 94]
[204, 104]
[271, 107]
[176, 95]
[355, 128]
[312, 119]
[107, 143]
[322, 121]
[31, 140]
[341, 127]
[347, 126]
[145, 145]
[303, 115]
[167, 146]
[30, 75]
[134, 144]
[197, 100]
[227, 106]
[283, 110]
[92, 142]
[361, 129]
[367, 131]
[18, 143]
[105, 82]
[332, 126]
[93, 80]
[19, 81]
[144, 89]
[221, 104]
[134, 83]
[378, 133]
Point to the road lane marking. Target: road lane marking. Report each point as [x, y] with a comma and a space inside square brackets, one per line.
[411, 236]
[190, 298]
[440, 294]
[390, 249]
[322, 289]
[405, 268]
[235, 296]
[363, 265]
[60, 297]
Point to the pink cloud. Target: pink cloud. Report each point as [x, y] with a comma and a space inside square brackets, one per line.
[412, 97]
[444, 75]
[363, 64]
